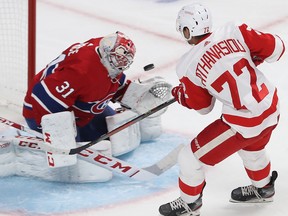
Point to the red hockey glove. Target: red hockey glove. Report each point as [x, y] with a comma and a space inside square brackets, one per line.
[179, 95]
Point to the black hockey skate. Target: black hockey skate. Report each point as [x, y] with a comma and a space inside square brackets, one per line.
[252, 194]
[180, 208]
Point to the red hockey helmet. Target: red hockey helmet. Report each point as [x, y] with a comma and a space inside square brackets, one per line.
[117, 53]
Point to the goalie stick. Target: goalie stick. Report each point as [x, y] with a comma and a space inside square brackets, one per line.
[108, 162]
[77, 150]
[95, 157]
[116, 130]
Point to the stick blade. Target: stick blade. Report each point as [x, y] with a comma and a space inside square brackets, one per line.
[165, 163]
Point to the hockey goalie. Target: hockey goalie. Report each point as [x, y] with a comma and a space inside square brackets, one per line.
[69, 103]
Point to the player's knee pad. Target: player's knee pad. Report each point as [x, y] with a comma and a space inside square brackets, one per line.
[127, 139]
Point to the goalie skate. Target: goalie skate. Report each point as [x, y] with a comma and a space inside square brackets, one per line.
[179, 207]
[252, 194]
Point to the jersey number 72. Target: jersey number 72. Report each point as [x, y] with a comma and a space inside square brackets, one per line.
[258, 93]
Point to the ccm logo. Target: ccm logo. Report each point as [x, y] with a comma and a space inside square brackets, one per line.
[114, 164]
[50, 159]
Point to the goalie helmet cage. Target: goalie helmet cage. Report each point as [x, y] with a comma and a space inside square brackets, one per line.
[18, 47]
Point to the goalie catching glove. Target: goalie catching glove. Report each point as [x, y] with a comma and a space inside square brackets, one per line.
[143, 96]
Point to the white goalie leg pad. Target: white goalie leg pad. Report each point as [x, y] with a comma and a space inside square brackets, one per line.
[7, 158]
[59, 130]
[32, 163]
[143, 96]
[150, 128]
[125, 140]
[88, 172]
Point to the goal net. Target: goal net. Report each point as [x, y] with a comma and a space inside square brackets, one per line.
[17, 52]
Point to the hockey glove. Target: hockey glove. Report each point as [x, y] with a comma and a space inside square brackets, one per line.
[142, 96]
[179, 95]
[257, 60]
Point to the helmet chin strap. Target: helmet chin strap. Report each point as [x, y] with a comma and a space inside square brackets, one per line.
[190, 35]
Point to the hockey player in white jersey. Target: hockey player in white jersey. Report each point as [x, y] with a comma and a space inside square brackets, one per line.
[222, 65]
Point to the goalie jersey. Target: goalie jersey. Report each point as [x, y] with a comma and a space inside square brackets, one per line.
[74, 81]
[223, 67]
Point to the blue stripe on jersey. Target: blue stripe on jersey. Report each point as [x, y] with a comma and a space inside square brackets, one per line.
[47, 101]
[122, 80]
[83, 106]
[27, 107]
[50, 70]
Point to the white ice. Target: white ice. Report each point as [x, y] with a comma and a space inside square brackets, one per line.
[151, 24]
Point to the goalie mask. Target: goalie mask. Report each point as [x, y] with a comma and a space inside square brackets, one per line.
[196, 18]
[117, 53]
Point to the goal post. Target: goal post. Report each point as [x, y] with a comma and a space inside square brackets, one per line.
[18, 50]
[31, 40]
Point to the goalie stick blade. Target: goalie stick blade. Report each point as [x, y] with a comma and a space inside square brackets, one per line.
[165, 163]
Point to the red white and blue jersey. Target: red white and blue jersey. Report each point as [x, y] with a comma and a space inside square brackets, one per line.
[223, 66]
[75, 81]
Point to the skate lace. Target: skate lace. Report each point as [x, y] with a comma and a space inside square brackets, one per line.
[250, 190]
[178, 204]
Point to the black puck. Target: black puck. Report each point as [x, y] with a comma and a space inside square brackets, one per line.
[148, 67]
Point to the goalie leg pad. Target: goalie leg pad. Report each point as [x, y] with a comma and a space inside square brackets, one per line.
[59, 130]
[33, 163]
[125, 140]
[150, 128]
[7, 159]
[88, 172]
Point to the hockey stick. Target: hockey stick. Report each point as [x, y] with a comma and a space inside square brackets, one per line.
[77, 150]
[116, 130]
[108, 162]
[99, 159]
[20, 127]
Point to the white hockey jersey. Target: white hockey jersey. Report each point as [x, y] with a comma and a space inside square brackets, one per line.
[223, 66]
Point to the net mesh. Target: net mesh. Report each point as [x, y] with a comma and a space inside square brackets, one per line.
[14, 51]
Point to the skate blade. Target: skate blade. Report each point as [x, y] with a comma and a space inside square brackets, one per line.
[262, 200]
[196, 213]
